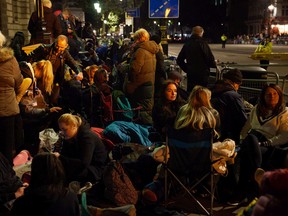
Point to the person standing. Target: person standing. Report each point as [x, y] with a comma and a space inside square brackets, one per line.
[52, 24]
[58, 55]
[10, 119]
[196, 59]
[224, 40]
[139, 86]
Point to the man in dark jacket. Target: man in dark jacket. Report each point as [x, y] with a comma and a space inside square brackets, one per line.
[58, 54]
[230, 105]
[196, 59]
[51, 24]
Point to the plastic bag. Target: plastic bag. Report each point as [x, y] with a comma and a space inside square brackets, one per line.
[48, 138]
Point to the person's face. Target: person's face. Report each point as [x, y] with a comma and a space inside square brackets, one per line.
[67, 131]
[171, 92]
[61, 46]
[65, 16]
[271, 97]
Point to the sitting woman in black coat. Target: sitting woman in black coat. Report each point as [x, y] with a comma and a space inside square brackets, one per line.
[82, 152]
[46, 194]
[166, 108]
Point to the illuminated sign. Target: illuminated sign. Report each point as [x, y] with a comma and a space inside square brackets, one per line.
[163, 9]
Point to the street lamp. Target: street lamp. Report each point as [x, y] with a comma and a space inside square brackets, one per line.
[98, 9]
[271, 9]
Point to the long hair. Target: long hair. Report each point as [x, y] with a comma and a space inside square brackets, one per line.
[90, 71]
[262, 108]
[44, 72]
[171, 107]
[47, 176]
[70, 119]
[197, 113]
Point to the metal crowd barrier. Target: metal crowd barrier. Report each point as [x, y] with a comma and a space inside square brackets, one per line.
[254, 78]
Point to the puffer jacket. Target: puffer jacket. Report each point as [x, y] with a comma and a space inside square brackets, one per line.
[274, 189]
[10, 80]
[142, 66]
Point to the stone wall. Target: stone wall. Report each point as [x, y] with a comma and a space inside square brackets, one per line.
[14, 16]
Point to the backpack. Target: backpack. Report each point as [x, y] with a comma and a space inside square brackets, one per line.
[118, 186]
[122, 107]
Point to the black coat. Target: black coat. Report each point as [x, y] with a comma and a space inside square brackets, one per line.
[83, 156]
[230, 106]
[52, 25]
[196, 59]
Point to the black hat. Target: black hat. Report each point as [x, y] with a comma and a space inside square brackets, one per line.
[173, 75]
[234, 75]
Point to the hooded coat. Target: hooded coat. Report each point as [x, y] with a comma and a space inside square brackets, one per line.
[10, 80]
[142, 66]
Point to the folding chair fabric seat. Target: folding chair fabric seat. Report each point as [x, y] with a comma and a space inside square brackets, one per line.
[190, 156]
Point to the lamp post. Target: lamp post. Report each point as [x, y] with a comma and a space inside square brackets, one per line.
[98, 9]
[271, 10]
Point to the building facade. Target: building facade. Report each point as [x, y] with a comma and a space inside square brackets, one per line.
[269, 17]
[14, 16]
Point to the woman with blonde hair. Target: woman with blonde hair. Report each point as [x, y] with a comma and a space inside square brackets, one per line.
[43, 71]
[36, 112]
[198, 112]
[82, 152]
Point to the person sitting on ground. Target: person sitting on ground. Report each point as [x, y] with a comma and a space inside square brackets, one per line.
[166, 107]
[194, 117]
[11, 187]
[273, 189]
[101, 104]
[82, 152]
[17, 42]
[226, 98]
[89, 72]
[198, 113]
[178, 78]
[36, 113]
[265, 128]
[46, 194]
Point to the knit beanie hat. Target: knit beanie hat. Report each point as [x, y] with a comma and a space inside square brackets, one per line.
[234, 75]
[173, 75]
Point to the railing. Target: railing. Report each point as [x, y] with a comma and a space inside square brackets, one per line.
[251, 87]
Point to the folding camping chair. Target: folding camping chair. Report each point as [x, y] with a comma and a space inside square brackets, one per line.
[190, 156]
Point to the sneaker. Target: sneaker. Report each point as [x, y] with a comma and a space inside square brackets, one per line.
[258, 175]
[238, 198]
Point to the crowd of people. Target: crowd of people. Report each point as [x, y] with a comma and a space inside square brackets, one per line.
[60, 86]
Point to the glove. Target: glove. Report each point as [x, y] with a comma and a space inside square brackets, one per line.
[265, 143]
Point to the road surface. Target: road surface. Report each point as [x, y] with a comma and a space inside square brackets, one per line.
[239, 53]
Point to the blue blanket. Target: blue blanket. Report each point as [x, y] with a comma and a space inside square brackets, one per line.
[122, 131]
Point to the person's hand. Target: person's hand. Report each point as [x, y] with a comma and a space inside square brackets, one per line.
[20, 191]
[55, 109]
[69, 31]
[79, 76]
[57, 154]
